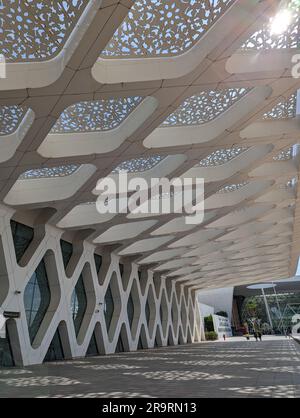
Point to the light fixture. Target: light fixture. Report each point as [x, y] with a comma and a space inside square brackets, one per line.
[282, 20]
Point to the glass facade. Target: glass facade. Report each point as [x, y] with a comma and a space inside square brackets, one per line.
[98, 262]
[6, 356]
[108, 307]
[36, 299]
[78, 304]
[282, 307]
[67, 251]
[22, 237]
[120, 345]
[140, 344]
[55, 351]
[92, 348]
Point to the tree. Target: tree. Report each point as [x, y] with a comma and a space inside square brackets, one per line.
[222, 313]
[208, 323]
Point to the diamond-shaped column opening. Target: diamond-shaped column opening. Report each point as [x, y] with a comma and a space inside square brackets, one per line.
[164, 313]
[157, 283]
[150, 311]
[143, 279]
[158, 338]
[171, 340]
[191, 314]
[183, 315]
[4, 283]
[71, 254]
[122, 342]
[189, 336]
[98, 264]
[178, 288]
[174, 314]
[169, 287]
[121, 268]
[22, 238]
[41, 298]
[83, 303]
[103, 269]
[92, 349]
[10, 346]
[125, 273]
[59, 348]
[112, 306]
[134, 309]
[66, 252]
[96, 344]
[142, 342]
[199, 331]
[181, 339]
[46, 32]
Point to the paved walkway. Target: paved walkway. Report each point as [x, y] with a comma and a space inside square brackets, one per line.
[235, 368]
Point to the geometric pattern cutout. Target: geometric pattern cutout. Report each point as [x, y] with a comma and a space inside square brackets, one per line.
[284, 155]
[170, 27]
[205, 107]
[264, 39]
[139, 165]
[37, 31]
[284, 109]
[43, 173]
[93, 116]
[10, 118]
[221, 156]
[232, 187]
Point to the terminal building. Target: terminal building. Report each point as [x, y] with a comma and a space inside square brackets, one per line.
[157, 89]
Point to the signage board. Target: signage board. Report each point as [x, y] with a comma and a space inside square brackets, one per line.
[222, 326]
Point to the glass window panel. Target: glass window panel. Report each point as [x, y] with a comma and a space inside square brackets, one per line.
[22, 237]
[6, 356]
[36, 299]
[78, 304]
[92, 348]
[67, 251]
[55, 350]
[98, 262]
[108, 307]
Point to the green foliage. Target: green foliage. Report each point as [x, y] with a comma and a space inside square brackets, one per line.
[208, 323]
[211, 336]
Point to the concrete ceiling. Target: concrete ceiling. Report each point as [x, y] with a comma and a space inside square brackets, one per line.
[209, 97]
